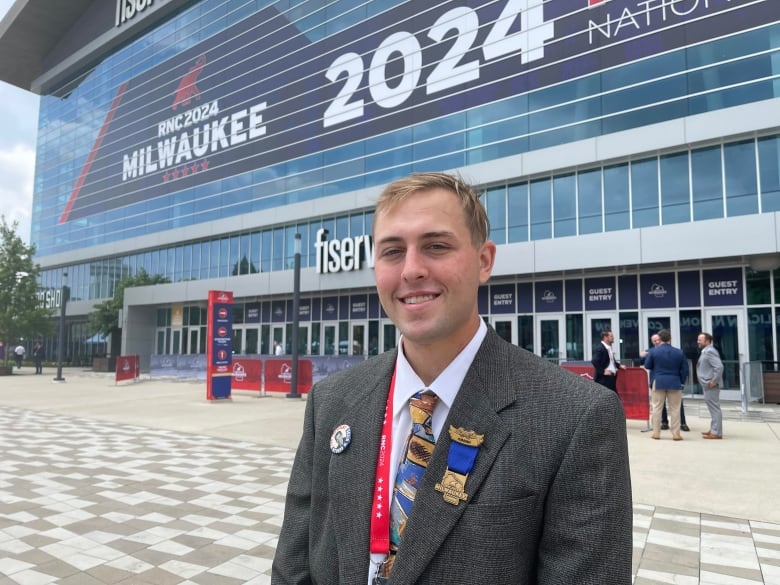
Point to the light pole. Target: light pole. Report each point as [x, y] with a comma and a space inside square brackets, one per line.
[296, 317]
[61, 333]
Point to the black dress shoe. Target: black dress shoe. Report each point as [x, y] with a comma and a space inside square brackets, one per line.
[664, 427]
[685, 428]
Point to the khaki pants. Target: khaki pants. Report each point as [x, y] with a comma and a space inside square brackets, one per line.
[675, 400]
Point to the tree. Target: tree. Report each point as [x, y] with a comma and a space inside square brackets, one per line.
[104, 319]
[21, 315]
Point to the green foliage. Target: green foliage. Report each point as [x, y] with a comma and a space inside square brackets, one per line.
[104, 319]
[20, 314]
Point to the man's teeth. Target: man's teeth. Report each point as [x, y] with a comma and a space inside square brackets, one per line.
[418, 299]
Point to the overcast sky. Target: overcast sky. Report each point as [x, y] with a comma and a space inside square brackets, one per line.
[18, 133]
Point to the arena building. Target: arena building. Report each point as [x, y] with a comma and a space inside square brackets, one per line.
[629, 152]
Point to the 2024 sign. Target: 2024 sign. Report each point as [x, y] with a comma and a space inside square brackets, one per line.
[451, 71]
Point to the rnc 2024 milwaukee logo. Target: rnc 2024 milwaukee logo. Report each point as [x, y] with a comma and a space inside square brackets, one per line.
[197, 129]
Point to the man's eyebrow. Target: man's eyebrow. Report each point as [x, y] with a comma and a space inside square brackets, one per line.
[424, 236]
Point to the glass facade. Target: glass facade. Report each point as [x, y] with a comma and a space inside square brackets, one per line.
[181, 126]
[693, 185]
[739, 69]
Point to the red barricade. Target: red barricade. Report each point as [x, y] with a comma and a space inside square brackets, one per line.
[247, 373]
[631, 388]
[128, 367]
[278, 375]
[634, 392]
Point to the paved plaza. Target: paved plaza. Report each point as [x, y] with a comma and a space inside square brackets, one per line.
[149, 483]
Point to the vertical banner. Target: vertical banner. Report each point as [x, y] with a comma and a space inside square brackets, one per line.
[219, 370]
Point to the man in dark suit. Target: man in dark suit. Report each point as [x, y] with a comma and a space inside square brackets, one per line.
[528, 481]
[605, 364]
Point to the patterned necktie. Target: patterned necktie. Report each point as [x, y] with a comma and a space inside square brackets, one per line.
[419, 448]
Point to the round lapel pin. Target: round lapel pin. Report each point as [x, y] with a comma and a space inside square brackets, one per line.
[340, 439]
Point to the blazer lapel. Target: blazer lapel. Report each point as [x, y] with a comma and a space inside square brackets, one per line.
[476, 409]
[352, 473]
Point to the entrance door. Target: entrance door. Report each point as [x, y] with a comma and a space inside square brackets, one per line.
[359, 341]
[596, 325]
[728, 337]
[654, 321]
[504, 328]
[550, 337]
[277, 335]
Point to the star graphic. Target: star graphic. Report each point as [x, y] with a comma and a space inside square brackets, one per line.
[379, 515]
[185, 171]
[194, 168]
[204, 165]
[166, 176]
[175, 173]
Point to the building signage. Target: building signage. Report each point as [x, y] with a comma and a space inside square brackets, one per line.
[600, 294]
[502, 298]
[549, 296]
[219, 331]
[657, 291]
[268, 90]
[722, 286]
[344, 255]
[127, 10]
[51, 298]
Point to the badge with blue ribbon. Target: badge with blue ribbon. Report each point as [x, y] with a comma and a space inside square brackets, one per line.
[460, 461]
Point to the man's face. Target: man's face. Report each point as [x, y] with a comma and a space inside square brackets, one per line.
[701, 341]
[656, 340]
[609, 338]
[427, 269]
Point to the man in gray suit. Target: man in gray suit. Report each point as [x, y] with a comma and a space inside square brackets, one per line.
[528, 482]
[709, 370]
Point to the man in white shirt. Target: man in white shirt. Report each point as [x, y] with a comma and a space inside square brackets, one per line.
[19, 352]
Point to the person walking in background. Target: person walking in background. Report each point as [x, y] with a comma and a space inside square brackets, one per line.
[709, 370]
[278, 349]
[669, 371]
[19, 352]
[605, 364]
[38, 354]
[515, 470]
[655, 340]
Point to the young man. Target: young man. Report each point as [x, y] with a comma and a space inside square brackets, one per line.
[528, 481]
[709, 370]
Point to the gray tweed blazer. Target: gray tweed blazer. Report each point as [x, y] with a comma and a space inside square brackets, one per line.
[549, 496]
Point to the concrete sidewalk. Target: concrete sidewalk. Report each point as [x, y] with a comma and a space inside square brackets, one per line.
[738, 476]
[695, 500]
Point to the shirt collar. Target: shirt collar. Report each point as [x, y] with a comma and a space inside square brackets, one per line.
[446, 385]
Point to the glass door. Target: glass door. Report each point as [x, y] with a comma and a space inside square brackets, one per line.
[550, 337]
[504, 328]
[359, 342]
[598, 324]
[654, 321]
[728, 337]
[277, 334]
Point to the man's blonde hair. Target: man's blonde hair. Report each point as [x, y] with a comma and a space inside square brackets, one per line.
[474, 214]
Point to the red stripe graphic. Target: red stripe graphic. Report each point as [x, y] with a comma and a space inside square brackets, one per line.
[90, 159]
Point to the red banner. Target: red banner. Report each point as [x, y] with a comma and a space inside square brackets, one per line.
[128, 367]
[247, 373]
[278, 375]
[632, 389]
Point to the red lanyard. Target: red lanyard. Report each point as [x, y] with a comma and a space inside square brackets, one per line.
[383, 491]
